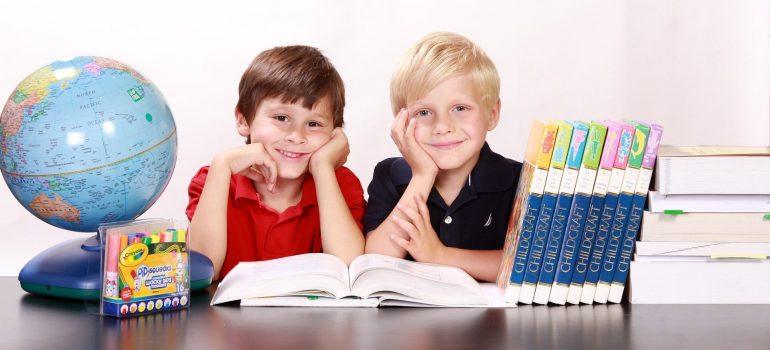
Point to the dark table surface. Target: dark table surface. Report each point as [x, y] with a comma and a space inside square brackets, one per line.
[35, 322]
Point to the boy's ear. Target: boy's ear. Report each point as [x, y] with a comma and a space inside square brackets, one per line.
[241, 124]
[494, 116]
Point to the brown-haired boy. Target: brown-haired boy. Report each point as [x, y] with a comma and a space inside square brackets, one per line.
[285, 191]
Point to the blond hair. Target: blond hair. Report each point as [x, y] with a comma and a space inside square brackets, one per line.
[437, 57]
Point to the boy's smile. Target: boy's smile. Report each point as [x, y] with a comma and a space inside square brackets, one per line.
[290, 132]
[447, 145]
[452, 123]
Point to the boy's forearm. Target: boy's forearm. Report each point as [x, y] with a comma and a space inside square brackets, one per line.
[208, 227]
[378, 240]
[340, 235]
[482, 265]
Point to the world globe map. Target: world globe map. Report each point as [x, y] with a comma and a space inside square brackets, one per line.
[86, 141]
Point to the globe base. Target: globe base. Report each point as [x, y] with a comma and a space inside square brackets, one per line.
[71, 270]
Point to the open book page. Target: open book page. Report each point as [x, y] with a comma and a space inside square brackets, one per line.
[372, 274]
[491, 292]
[310, 301]
[319, 274]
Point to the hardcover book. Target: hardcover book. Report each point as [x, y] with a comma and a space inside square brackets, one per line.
[526, 206]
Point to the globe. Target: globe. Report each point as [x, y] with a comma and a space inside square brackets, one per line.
[86, 141]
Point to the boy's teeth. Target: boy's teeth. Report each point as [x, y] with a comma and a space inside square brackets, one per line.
[290, 154]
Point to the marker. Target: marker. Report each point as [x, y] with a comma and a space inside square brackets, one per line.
[181, 236]
[168, 236]
[123, 242]
[137, 283]
[111, 275]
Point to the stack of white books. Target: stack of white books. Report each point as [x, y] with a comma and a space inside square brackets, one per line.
[706, 236]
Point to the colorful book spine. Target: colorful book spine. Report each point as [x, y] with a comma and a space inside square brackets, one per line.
[635, 215]
[550, 194]
[541, 292]
[603, 176]
[627, 189]
[608, 213]
[578, 212]
[525, 209]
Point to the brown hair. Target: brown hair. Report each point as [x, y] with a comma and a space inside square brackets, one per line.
[294, 73]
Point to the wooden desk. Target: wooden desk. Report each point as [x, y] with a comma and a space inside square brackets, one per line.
[33, 322]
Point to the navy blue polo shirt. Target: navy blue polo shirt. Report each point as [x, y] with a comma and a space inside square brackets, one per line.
[478, 217]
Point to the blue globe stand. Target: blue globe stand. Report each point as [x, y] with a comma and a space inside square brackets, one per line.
[71, 269]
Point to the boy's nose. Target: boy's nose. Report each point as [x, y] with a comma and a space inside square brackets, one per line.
[296, 137]
[443, 125]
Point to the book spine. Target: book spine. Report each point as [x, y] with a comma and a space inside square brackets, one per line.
[537, 160]
[603, 177]
[541, 291]
[609, 262]
[608, 213]
[635, 215]
[550, 195]
[577, 217]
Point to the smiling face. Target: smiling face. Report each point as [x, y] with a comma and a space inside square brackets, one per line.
[452, 123]
[289, 132]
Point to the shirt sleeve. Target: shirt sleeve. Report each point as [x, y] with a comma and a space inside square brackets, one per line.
[383, 196]
[353, 192]
[194, 191]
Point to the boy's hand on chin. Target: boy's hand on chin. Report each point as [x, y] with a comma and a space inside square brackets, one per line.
[333, 154]
[423, 243]
[252, 161]
[402, 133]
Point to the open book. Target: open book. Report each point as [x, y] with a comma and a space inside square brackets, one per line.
[372, 280]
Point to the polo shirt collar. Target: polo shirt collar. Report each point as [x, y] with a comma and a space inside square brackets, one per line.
[492, 172]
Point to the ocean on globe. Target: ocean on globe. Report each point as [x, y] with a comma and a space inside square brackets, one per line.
[86, 141]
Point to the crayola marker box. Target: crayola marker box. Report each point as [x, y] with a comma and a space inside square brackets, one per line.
[145, 267]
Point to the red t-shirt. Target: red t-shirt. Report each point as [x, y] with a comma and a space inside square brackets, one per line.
[257, 232]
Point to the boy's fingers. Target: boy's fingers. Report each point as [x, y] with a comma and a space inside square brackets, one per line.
[405, 226]
[396, 126]
[412, 214]
[273, 167]
[401, 242]
[422, 208]
[254, 175]
[400, 125]
[409, 134]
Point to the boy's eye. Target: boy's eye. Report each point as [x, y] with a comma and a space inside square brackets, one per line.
[281, 118]
[315, 124]
[461, 108]
[422, 113]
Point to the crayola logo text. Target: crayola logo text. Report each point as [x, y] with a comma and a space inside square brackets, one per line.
[134, 254]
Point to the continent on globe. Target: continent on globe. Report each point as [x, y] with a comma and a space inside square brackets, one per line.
[47, 208]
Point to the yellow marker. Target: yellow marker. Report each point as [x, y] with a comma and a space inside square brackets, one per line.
[181, 236]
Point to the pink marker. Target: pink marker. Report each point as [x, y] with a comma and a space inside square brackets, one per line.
[111, 268]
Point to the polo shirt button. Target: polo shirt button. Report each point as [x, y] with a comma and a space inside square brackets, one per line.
[448, 220]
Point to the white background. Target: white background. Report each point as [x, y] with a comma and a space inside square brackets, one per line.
[698, 67]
